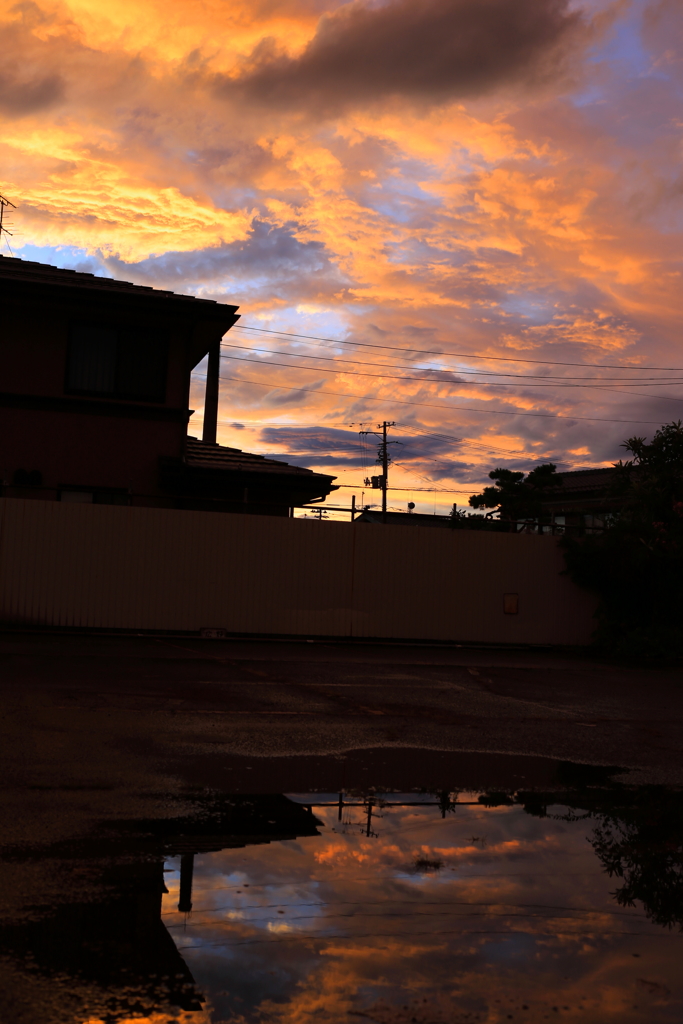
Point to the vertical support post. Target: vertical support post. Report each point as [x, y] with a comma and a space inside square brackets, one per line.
[186, 872]
[353, 507]
[211, 394]
[341, 806]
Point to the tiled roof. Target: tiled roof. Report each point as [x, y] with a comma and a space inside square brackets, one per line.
[13, 269]
[216, 456]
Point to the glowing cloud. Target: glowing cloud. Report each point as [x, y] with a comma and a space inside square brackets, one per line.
[493, 177]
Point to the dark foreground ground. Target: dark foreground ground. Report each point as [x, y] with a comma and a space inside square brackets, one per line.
[126, 760]
[103, 712]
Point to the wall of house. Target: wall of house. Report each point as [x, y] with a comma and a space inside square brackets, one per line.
[35, 339]
[73, 445]
[111, 567]
[76, 449]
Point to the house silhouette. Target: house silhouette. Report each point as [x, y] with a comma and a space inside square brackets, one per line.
[94, 399]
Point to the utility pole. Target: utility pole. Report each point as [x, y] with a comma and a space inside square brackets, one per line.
[385, 469]
[383, 458]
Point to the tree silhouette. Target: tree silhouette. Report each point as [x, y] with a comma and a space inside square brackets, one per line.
[636, 565]
[516, 496]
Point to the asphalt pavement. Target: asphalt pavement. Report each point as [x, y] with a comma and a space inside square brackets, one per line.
[85, 710]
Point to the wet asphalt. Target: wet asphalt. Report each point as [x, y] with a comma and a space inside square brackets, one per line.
[100, 734]
[158, 712]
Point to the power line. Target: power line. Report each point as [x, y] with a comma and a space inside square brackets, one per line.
[449, 463]
[457, 355]
[472, 373]
[444, 408]
[436, 380]
[546, 381]
[409, 490]
[637, 394]
[358, 448]
[353, 448]
[491, 450]
[466, 443]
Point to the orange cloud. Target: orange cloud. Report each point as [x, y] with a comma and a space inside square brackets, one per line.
[517, 201]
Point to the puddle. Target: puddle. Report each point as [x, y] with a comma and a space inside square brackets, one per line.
[516, 889]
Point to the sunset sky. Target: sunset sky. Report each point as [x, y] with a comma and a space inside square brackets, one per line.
[479, 201]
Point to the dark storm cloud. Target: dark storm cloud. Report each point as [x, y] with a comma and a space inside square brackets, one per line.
[325, 445]
[271, 258]
[432, 49]
[280, 396]
[329, 446]
[21, 94]
[268, 249]
[31, 70]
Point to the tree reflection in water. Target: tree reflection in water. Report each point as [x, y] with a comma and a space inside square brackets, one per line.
[638, 836]
[643, 844]
[428, 907]
[449, 907]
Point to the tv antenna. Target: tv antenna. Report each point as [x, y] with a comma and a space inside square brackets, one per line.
[3, 230]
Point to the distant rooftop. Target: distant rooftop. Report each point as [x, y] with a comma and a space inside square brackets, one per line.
[403, 518]
[582, 479]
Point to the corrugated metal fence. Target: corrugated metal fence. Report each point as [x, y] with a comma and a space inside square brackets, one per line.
[110, 567]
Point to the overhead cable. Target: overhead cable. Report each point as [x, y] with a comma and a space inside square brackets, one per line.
[458, 355]
[466, 442]
[435, 380]
[446, 369]
[429, 405]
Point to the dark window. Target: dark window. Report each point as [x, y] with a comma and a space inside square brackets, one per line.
[141, 365]
[27, 478]
[118, 363]
[80, 497]
[92, 360]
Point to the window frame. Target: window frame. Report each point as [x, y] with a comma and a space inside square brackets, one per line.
[118, 393]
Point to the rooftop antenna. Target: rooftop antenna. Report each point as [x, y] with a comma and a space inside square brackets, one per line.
[3, 230]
